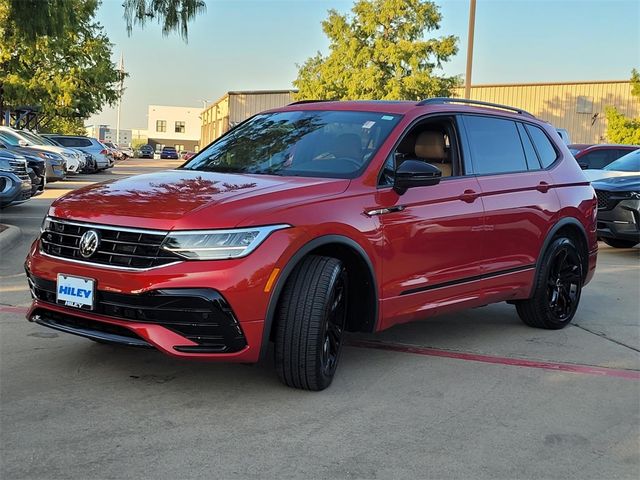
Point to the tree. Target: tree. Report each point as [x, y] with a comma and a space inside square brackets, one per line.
[68, 75]
[621, 129]
[380, 52]
[52, 18]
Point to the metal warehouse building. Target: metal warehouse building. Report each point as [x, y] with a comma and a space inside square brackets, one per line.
[234, 107]
[579, 107]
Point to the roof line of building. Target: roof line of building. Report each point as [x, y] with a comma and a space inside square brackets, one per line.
[248, 92]
[540, 84]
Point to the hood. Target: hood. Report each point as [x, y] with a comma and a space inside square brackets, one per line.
[29, 152]
[619, 184]
[185, 199]
[594, 175]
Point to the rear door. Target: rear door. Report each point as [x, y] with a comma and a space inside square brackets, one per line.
[517, 193]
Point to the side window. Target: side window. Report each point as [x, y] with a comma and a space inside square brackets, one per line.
[546, 152]
[66, 142]
[597, 159]
[529, 152]
[495, 145]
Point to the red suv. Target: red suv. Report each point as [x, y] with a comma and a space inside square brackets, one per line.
[318, 218]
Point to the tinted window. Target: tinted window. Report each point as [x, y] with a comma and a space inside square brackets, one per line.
[72, 142]
[529, 151]
[495, 145]
[596, 159]
[545, 149]
[629, 163]
[335, 144]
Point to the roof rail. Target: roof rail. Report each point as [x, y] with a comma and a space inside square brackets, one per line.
[441, 100]
[300, 102]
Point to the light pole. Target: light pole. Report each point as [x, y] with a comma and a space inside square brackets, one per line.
[472, 22]
[120, 91]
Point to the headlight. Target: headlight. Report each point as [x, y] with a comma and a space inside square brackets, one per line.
[218, 244]
[67, 154]
[49, 156]
[5, 165]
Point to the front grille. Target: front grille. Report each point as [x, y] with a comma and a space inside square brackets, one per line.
[124, 248]
[201, 315]
[604, 200]
[19, 168]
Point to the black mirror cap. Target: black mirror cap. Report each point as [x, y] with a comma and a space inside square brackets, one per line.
[415, 173]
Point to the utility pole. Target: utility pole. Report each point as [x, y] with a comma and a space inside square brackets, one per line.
[120, 92]
[472, 22]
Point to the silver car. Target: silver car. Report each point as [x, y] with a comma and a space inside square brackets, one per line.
[86, 144]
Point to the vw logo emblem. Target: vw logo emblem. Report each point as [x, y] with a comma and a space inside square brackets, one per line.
[89, 242]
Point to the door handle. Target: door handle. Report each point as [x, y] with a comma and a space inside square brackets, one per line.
[469, 196]
[543, 187]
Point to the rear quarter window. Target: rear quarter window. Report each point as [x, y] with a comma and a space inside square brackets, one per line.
[546, 152]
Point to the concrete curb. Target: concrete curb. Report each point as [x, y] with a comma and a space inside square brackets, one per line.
[9, 237]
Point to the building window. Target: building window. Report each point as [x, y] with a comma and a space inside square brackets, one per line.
[179, 148]
[161, 125]
[585, 105]
[196, 148]
[179, 127]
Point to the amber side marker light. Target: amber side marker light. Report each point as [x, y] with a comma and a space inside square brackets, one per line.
[271, 280]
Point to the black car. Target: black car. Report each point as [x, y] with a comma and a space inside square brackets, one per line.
[146, 151]
[55, 165]
[36, 167]
[619, 210]
[169, 153]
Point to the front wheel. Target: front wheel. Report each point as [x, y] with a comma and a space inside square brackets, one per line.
[557, 290]
[618, 243]
[311, 319]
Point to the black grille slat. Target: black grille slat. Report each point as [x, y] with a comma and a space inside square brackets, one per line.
[118, 248]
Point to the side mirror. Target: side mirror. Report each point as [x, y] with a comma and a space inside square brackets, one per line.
[23, 143]
[414, 173]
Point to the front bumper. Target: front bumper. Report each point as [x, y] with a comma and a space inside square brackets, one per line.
[240, 283]
[621, 222]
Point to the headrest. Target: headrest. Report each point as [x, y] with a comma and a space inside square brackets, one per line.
[430, 144]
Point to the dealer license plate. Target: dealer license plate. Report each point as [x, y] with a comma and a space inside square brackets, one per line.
[75, 292]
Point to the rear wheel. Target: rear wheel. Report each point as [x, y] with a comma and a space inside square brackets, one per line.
[618, 243]
[557, 289]
[310, 325]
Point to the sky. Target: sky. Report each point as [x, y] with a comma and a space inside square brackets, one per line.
[256, 45]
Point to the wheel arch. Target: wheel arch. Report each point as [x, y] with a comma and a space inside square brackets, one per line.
[361, 278]
[572, 228]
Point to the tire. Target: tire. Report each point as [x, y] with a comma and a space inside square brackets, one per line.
[311, 319]
[557, 288]
[618, 243]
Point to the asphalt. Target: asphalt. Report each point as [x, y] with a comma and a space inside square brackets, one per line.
[478, 395]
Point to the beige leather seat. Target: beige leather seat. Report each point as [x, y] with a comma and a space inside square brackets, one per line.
[430, 147]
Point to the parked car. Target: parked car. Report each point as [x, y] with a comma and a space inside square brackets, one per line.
[189, 155]
[15, 182]
[168, 153]
[89, 145]
[115, 150]
[596, 157]
[318, 218]
[626, 166]
[22, 138]
[619, 210]
[77, 154]
[55, 165]
[146, 151]
[127, 152]
[564, 135]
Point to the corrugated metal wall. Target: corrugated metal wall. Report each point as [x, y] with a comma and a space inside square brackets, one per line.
[235, 107]
[577, 107]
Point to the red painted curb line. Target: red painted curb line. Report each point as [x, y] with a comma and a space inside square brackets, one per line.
[473, 357]
[517, 362]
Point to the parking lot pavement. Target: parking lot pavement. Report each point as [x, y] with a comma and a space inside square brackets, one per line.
[478, 396]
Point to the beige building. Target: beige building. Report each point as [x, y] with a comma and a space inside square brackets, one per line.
[578, 107]
[235, 107]
[172, 126]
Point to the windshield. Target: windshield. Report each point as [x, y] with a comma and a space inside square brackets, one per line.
[9, 138]
[31, 137]
[334, 144]
[629, 163]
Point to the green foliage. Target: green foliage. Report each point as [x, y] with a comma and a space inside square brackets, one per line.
[173, 15]
[621, 129]
[65, 126]
[635, 83]
[69, 75]
[136, 143]
[35, 18]
[380, 52]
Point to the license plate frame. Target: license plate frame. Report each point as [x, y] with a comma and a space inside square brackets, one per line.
[77, 297]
